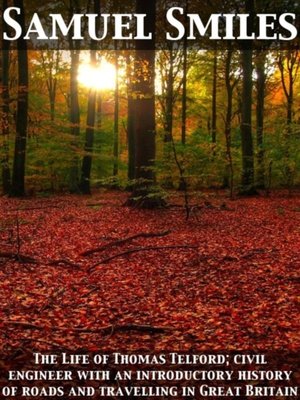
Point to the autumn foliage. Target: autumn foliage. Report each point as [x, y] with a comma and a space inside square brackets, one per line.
[81, 273]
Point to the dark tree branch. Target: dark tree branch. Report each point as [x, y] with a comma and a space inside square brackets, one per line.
[18, 257]
[105, 329]
[137, 250]
[122, 241]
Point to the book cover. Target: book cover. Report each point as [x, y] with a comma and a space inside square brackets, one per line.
[149, 209]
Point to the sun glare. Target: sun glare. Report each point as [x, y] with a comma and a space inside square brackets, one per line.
[102, 77]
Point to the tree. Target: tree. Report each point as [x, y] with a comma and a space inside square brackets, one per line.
[169, 96]
[247, 186]
[5, 114]
[184, 80]
[50, 63]
[85, 182]
[74, 104]
[183, 182]
[214, 99]
[18, 178]
[116, 119]
[231, 81]
[289, 64]
[260, 64]
[144, 114]
[130, 113]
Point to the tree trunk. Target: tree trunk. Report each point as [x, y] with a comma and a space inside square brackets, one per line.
[116, 120]
[246, 125]
[18, 178]
[144, 122]
[144, 114]
[5, 115]
[247, 186]
[184, 86]
[130, 132]
[85, 183]
[228, 181]
[131, 142]
[260, 108]
[53, 87]
[74, 105]
[168, 118]
[182, 181]
[50, 62]
[75, 121]
[168, 125]
[214, 101]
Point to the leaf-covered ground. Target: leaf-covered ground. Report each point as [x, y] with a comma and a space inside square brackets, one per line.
[232, 285]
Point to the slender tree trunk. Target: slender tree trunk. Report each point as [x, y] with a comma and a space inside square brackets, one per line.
[51, 68]
[5, 115]
[168, 125]
[289, 64]
[130, 131]
[246, 125]
[260, 111]
[53, 87]
[247, 186]
[168, 122]
[18, 178]
[228, 122]
[74, 106]
[288, 133]
[85, 183]
[184, 93]
[75, 121]
[182, 180]
[52, 109]
[99, 111]
[214, 101]
[131, 142]
[184, 79]
[290, 103]
[116, 120]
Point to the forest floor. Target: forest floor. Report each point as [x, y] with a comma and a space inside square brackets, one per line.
[224, 280]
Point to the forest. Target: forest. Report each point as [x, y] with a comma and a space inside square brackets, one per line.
[149, 188]
[219, 119]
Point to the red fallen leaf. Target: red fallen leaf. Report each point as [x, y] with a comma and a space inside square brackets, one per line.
[93, 348]
[238, 290]
[284, 324]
